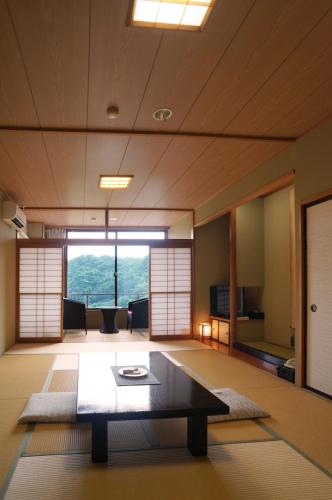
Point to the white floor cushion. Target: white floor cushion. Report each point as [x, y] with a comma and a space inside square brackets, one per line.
[240, 407]
[50, 407]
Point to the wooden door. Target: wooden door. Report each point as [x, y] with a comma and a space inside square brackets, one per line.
[319, 296]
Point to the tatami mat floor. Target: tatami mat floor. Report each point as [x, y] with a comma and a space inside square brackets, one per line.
[284, 456]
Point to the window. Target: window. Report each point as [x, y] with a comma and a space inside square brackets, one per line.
[141, 235]
[105, 275]
[121, 235]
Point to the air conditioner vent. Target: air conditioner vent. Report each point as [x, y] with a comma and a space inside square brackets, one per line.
[17, 222]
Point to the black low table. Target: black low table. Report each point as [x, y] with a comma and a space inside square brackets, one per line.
[100, 399]
[109, 322]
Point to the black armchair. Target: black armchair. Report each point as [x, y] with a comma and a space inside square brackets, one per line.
[74, 317]
[138, 314]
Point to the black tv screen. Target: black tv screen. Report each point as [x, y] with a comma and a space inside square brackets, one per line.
[220, 301]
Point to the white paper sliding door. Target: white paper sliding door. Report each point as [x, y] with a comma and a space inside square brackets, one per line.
[170, 292]
[40, 292]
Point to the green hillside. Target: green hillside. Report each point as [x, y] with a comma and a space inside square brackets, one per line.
[88, 274]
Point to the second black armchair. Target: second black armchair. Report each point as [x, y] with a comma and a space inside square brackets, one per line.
[138, 314]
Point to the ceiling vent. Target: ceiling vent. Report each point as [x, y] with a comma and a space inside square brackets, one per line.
[14, 217]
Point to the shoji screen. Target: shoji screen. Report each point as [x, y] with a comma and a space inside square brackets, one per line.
[170, 292]
[40, 292]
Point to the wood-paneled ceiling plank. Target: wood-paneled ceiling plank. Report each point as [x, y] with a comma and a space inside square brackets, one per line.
[27, 152]
[54, 40]
[66, 153]
[142, 155]
[181, 153]
[135, 218]
[216, 155]
[162, 218]
[271, 31]
[121, 58]
[16, 103]
[185, 62]
[305, 70]
[241, 165]
[119, 215]
[104, 155]
[93, 218]
[55, 218]
[11, 182]
[316, 108]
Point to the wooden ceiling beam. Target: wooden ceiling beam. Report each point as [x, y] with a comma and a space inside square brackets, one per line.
[176, 133]
[150, 209]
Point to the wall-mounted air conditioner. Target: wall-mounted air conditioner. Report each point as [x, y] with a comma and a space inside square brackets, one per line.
[14, 216]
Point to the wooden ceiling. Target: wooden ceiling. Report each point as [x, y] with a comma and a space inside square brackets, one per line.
[259, 69]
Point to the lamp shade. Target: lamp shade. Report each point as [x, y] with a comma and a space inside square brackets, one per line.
[205, 329]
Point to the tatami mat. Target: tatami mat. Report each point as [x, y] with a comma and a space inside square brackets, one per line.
[66, 362]
[73, 347]
[250, 471]
[173, 432]
[11, 434]
[96, 336]
[300, 416]
[51, 439]
[276, 350]
[64, 381]
[20, 376]
[221, 370]
[164, 433]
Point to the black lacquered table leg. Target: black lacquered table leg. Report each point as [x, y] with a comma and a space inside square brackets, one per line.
[99, 441]
[197, 435]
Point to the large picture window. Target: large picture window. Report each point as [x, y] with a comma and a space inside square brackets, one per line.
[105, 276]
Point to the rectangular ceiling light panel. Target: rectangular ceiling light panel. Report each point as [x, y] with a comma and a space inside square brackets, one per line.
[171, 14]
[114, 181]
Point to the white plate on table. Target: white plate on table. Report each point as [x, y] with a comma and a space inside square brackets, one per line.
[140, 373]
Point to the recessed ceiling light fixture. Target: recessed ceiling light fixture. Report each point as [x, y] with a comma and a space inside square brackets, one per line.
[114, 181]
[171, 14]
[162, 114]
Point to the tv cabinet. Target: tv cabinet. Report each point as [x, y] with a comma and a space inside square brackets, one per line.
[220, 329]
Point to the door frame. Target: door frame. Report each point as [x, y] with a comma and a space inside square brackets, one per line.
[304, 205]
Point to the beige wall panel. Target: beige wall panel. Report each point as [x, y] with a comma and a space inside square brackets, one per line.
[27, 151]
[54, 41]
[185, 62]
[277, 251]
[11, 181]
[7, 283]
[120, 62]
[141, 157]
[176, 160]
[211, 263]
[66, 153]
[319, 292]
[314, 109]
[271, 31]
[104, 155]
[250, 244]
[16, 103]
[304, 71]
[182, 228]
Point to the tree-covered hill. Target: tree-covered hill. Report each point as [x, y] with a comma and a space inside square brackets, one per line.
[88, 274]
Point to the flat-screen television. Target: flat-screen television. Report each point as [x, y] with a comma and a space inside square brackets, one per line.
[220, 301]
